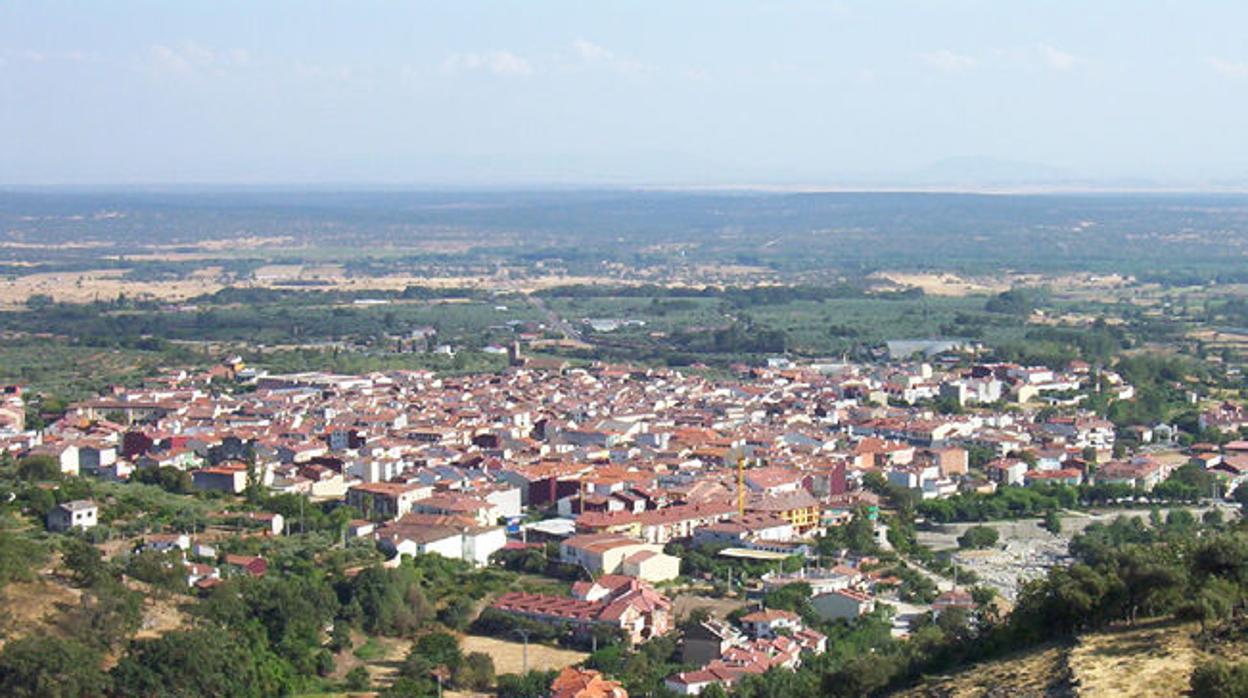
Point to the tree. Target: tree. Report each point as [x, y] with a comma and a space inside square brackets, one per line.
[535, 684]
[1220, 679]
[476, 672]
[982, 595]
[38, 468]
[793, 597]
[341, 638]
[954, 622]
[391, 600]
[324, 663]
[978, 537]
[1052, 522]
[164, 570]
[357, 679]
[1213, 517]
[84, 562]
[410, 687]
[457, 612]
[49, 667]
[204, 661]
[437, 649]
[19, 556]
[1215, 601]
[108, 614]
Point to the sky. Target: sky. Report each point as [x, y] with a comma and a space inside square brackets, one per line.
[588, 92]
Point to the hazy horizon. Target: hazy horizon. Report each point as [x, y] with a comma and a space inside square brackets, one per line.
[952, 95]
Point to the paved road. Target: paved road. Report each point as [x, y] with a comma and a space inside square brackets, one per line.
[553, 320]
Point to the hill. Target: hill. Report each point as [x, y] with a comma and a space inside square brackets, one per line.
[1148, 659]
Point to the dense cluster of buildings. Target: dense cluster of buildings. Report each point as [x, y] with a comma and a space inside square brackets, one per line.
[652, 454]
[614, 462]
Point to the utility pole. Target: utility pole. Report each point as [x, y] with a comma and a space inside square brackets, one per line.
[524, 657]
[441, 673]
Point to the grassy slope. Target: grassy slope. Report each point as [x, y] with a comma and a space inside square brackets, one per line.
[1150, 659]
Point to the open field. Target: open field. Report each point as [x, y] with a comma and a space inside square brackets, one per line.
[945, 284]
[109, 284]
[684, 604]
[509, 655]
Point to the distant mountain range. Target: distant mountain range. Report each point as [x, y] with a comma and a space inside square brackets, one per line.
[982, 171]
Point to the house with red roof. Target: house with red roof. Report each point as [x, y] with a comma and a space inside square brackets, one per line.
[574, 682]
[636, 609]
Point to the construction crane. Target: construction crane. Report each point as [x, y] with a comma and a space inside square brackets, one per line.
[741, 484]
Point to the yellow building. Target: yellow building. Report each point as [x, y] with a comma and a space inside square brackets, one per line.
[609, 553]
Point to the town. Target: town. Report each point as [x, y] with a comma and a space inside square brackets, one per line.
[734, 514]
[558, 349]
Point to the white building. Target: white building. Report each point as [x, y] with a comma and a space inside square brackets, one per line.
[80, 513]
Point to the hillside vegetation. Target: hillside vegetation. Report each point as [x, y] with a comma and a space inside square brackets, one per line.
[1145, 660]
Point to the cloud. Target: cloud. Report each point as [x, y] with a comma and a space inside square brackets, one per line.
[697, 74]
[591, 54]
[313, 71]
[29, 56]
[502, 63]
[189, 57]
[947, 61]
[169, 60]
[1055, 58]
[1234, 69]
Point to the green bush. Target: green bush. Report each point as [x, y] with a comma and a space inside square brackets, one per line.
[978, 537]
[1220, 679]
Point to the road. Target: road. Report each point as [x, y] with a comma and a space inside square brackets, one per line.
[556, 323]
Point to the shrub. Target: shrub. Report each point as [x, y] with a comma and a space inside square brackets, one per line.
[978, 537]
[1220, 679]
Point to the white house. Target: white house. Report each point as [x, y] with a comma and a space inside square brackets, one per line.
[80, 513]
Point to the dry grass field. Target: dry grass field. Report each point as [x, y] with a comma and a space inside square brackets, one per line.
[1037, 674]
[945, 284]
[509, 655]
[1135, 661]
[35, 607]
[109, 284]
[1147, 660]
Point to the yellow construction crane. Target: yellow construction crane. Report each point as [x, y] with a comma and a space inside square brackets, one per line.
[741, 484]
